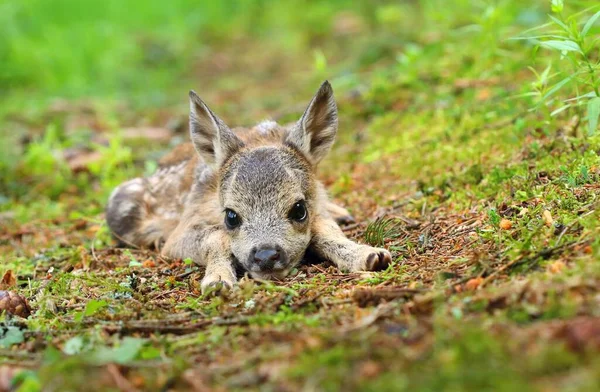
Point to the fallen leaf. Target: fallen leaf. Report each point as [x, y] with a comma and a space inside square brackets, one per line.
[149, 263]
[8, 280]
[484, 94]
[80, 160]
[369, 369]
[556, 267]
[472, 284]
[505, 224]
[548, 220]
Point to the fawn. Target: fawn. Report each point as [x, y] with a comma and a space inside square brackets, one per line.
[244, 197]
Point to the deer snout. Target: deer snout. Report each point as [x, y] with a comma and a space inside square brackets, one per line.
[268, 258]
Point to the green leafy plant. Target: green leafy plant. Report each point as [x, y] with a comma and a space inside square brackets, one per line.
[579, 47]
[91, 308]
[43, 162]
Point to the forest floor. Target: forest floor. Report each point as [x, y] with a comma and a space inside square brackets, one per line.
[489, 210]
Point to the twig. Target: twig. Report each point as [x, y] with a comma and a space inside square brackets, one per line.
[364, 296]
[184, 275]
[570, 225]
[149, 328]
[155, 326]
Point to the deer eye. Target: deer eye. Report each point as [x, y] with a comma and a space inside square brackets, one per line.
[232, 220]
[298, 211]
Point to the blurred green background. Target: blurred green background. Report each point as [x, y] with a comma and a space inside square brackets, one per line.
[131, 63]
[74, 74]
[143, 51]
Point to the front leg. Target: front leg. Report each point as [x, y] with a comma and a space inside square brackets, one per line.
[208, 246]
[329, 242]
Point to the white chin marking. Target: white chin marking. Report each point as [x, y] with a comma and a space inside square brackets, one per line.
[269, 275]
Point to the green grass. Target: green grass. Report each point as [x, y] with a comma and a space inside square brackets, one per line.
[444, 138]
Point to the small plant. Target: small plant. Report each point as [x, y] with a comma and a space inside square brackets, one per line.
[380, 230]
[576, 44]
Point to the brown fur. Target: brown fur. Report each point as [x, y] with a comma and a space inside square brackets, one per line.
[265, 176]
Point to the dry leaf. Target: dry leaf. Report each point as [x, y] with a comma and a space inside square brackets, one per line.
[80, 159]
[548, 220]
[8, 280]
[369, 369]
[472, 284]
[149, 263]
[556, 267]
[505, 224]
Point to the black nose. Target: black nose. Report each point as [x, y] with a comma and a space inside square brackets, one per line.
[266, 257]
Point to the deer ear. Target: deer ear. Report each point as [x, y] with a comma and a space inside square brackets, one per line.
[315, 133]
[212, 139]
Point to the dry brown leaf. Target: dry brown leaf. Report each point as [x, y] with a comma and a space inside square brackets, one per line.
[484, 94]
[505, 224]
[8, 280]
[80, 160]
[548, 220]
[149, 263]
[369, 369]
[556, 267]
[472, 284]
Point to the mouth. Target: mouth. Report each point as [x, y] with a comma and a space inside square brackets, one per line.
[270, 275]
